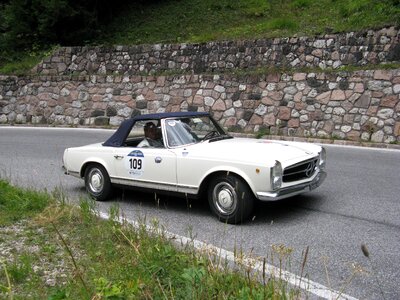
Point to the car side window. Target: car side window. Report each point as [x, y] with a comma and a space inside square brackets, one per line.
[145, 134]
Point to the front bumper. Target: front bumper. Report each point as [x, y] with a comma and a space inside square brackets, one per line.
[293, 190]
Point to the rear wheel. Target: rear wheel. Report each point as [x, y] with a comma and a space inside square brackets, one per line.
[230, 198]
[97, 182]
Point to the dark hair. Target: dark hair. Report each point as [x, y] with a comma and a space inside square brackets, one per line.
[149, 125]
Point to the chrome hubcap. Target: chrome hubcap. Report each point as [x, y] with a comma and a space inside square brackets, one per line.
[96, 180]
[225, 198]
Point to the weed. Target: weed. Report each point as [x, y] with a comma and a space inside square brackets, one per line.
[262, 131]
[366, 253]
[113, 259]
[106, 289]
[20, 270]
[16, 204]
[6, 288]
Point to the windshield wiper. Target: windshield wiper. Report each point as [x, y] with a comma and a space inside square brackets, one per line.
[220, 137]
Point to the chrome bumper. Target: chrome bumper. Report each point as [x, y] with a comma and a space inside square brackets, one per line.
[293, 190]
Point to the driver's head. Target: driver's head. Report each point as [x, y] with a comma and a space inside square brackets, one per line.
[150, 130]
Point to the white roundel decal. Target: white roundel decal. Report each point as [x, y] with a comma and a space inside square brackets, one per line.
[134, 163]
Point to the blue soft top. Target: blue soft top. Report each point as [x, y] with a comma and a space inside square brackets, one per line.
[119, 136]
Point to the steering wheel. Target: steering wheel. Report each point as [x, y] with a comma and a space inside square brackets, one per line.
[210, 135]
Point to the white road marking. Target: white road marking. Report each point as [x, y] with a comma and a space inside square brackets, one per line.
[358, 147]
[56, 128]
[309, 286]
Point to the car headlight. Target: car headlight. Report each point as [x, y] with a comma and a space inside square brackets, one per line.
[322, 159]
[276, 175]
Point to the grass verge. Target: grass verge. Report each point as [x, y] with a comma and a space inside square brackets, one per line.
[52, 250]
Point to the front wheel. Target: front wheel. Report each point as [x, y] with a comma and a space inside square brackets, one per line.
[230, 198]
[97, 182]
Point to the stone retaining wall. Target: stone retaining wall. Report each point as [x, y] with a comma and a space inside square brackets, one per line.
[350, 105]
[327, 51]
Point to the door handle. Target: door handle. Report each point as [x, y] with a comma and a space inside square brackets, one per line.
[118, 156]
[158, 160]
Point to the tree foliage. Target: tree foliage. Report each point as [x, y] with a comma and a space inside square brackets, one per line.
[29, 25]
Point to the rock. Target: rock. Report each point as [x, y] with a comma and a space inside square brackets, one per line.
[209, 101]
[339, 111]
[390, 101]
[377, 137]
[376, 85]
[219, 88]
[363, 101]
[284, 113]
[261, 110]
[338, 95]
[142, 104]
[3, 119]
[229, 113]
[111, 111]
[291, 90]
[219, 105]
[125, 112]
[385, 113]
[345, 128]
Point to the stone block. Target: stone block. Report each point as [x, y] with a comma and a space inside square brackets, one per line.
[385, 113]
[97, 113]
[382, 75]
[219, 105]
[390, 101]
[338, 95]
[397, 129]
[284, 113]
[141, 104]
[363, 101]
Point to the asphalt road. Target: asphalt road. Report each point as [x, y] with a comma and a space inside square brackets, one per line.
[358, 203]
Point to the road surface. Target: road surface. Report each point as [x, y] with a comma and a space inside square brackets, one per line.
[359, 203]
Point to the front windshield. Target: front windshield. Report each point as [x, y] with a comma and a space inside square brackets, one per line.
[191, 130]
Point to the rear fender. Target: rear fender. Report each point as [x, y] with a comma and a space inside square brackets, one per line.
[95, 160]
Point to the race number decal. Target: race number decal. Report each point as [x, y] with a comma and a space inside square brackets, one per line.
[134, 163]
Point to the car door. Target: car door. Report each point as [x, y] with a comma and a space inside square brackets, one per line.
[153, 168]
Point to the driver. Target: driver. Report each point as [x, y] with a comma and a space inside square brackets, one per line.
[153, 137]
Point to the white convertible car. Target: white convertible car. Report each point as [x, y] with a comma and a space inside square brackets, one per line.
[190, 154]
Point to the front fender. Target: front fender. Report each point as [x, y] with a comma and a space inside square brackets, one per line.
[250, 176]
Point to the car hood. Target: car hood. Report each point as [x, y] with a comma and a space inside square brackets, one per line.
[254, 150]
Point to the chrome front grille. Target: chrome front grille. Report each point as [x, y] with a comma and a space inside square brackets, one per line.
[299, 171]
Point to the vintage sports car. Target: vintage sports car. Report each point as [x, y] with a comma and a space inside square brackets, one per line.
[190, 154]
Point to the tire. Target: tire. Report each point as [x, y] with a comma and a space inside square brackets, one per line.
[230, 199]
[97, 182]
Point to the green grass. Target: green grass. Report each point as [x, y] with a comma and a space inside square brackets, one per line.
[205, 20]
[195, 21]
[21, 63]
[68, 252]
[16, 204]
